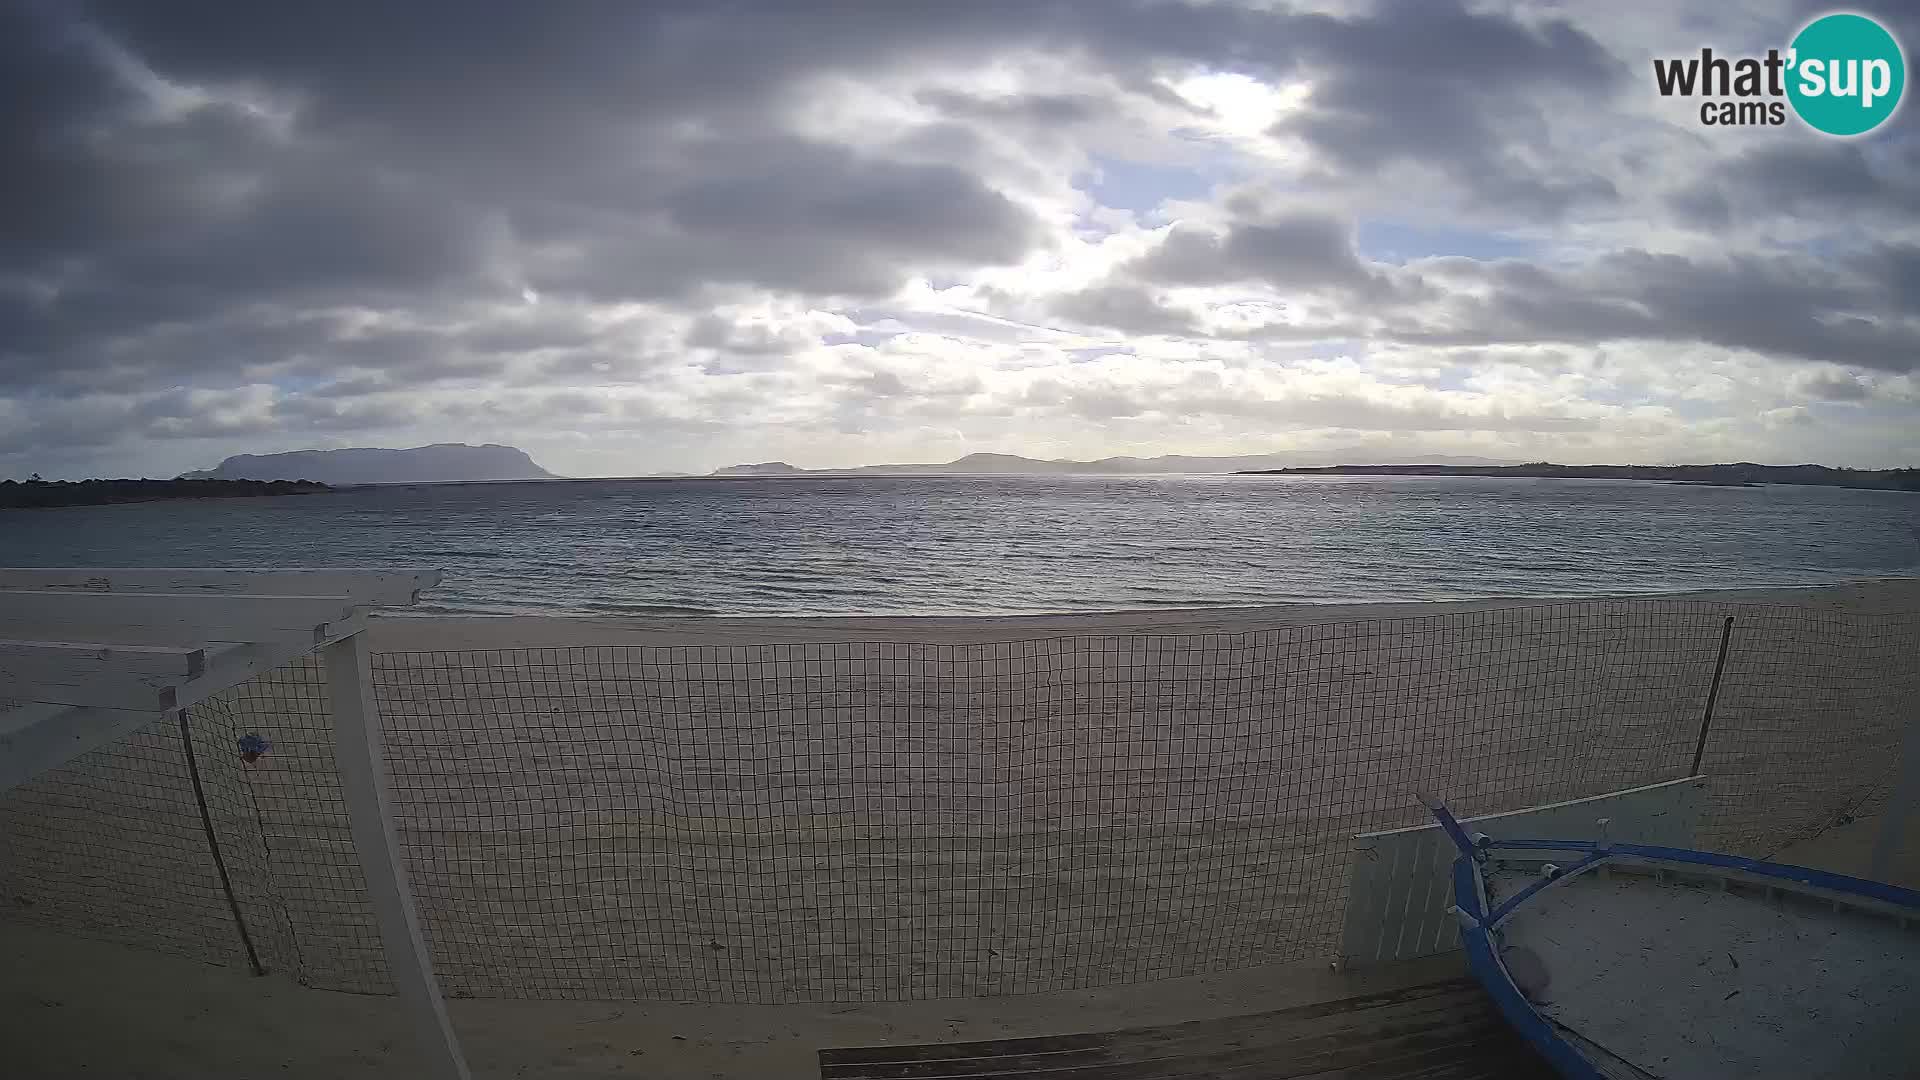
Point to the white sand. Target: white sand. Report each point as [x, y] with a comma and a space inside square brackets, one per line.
[927, 814]
[171, 1018]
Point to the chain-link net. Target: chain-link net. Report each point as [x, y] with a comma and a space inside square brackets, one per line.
[885, 820]
[113, 846]
[305, 866]
[1807, 728]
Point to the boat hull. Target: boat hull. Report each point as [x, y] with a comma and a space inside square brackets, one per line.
[1630, 960]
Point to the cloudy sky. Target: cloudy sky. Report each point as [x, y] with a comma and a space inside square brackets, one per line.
[646, 237]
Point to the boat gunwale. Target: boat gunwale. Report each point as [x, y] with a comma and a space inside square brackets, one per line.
[1480, 927]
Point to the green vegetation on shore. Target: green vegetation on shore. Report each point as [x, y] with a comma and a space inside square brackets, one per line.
[1739, 474]
[37, 492]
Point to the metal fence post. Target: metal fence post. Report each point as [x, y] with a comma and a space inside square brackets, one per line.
[356, 728]
[1713, 696]
[213, 845]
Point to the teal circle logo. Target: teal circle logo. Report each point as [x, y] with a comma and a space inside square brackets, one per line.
[1846, 74]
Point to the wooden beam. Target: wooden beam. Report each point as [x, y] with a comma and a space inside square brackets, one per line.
[165, 618]
[225, 664]
[62, 717]
[357, 749]
[58, 722]
[95, 656]
[109, 689]
[377, 587]
[234, 664]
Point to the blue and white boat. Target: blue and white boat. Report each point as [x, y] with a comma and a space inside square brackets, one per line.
[1622, 960]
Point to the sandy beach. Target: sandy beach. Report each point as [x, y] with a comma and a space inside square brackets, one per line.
[671, 536]
[175, 1018]
[769, 810]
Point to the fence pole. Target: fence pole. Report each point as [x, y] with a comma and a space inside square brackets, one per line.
[357, 748]
[213, 845]
[1713, 695]
[1906, 792]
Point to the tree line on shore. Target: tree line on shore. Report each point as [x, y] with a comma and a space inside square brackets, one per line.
[35, 492]
[1742, 473]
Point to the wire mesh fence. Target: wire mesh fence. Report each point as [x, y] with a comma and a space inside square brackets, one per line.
[113, 846]
[888, 820]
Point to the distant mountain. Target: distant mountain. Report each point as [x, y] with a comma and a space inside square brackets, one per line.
[437, 464]
[1168, 463]
[1738, 474]
[765, 468]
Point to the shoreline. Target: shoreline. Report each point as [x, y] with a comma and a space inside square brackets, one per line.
[457, 632]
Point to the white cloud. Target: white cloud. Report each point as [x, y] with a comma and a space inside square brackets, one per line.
[1064, 229]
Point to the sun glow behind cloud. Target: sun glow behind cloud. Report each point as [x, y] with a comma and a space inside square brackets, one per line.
[676, 239]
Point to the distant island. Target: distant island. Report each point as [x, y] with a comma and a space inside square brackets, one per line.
[40, 493]
[1013, 464]
[440, 463]
[1738, 474]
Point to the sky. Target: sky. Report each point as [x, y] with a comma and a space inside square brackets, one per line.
[634, 238]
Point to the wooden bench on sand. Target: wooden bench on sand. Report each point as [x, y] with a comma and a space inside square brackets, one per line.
[1437, 1030]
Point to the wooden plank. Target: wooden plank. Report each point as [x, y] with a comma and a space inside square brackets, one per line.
[108, 689]
[1317, 1056]
[1447, 992]
[95, 656]
[1444, 1029]
[1336, 1042]
[378, 587]
[165, 618]
[357, 749]
[41, 735]
[230, 664]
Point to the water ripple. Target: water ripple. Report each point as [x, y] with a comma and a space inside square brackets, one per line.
[1003, 545]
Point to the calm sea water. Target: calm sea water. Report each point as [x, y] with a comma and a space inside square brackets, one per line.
[953, 545]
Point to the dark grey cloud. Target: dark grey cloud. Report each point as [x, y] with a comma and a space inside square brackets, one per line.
[1832, 386]
[349, 200]
[1896, 267]
[1794, 307]
[1297, 249]
[1457, 92]
[1293, 251]
[1800, 178]
[439, 148]
[1123, 306]
[1798, 306]
[1205, 393]
[1041, 110]
[426, 159]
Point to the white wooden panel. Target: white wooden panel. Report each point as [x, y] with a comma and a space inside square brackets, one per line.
[64, 686]
[1399, 887]
[377, 587]
[225, 664]
[363, 783]
[95, 656]
[163, 618]
[233, 664]
[42, 734]
[87, 655]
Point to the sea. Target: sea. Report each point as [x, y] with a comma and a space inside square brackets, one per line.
[950, 545]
